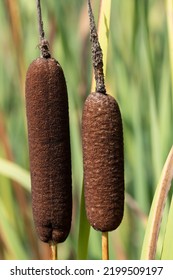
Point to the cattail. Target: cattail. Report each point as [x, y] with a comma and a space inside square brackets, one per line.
[49, 145]
[102, 139]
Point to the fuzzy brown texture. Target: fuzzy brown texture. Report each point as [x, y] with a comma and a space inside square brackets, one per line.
[49, 149]
[103, 158]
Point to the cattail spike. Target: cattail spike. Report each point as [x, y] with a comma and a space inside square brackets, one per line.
[49, 145]
[103, 155]
[97, 56]
[102, 141]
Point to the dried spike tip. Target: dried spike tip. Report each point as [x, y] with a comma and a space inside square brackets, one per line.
[44, 45]
[103, 155]
[49, 149]
[97, 56]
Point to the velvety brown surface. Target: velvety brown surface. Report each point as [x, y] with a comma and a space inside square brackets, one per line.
[103, 162]
[49, 149]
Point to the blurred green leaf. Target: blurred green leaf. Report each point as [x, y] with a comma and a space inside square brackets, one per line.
[16, 173]
[167, 250]
[11, 237]
[84, 231]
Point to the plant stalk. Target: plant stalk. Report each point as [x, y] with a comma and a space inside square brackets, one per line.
[105, 246]
[44, 44]
[53, 251]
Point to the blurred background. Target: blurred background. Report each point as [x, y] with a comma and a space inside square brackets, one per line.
[138, 76]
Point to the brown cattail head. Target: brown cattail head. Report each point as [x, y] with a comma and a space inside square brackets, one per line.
[49, 149]
[102, 137]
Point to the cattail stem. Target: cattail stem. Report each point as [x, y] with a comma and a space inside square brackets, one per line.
[44, 45]
[97, 56]
[40, 21]
[53, 251]
[105, 246]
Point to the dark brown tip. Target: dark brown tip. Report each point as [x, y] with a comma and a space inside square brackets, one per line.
[49, 149]
[97, 56]
[103, 157]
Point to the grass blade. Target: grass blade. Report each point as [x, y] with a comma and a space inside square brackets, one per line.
[169, 11]
[155, 216]
[16, 173]
[84, 231]
[12, 240]
[167, 251]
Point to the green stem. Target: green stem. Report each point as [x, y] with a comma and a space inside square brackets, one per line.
[169, 11]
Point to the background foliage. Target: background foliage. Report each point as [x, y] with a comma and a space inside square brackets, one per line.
[138, 75]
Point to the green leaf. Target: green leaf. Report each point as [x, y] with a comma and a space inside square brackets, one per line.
[84, 231]
[169, 17]
[16, 173]
[15, 249]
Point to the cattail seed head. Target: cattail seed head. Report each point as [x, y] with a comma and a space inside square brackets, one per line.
[102, 138]
[49, 149]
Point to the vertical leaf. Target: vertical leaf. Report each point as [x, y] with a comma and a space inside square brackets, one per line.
[84, 230]
[156, 212]
[167, 251]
